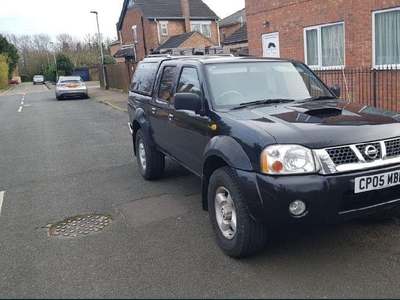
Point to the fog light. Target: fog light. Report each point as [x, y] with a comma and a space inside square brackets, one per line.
[297, 208]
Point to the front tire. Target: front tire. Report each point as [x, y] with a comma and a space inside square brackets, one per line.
[236, 233]
[151, 162]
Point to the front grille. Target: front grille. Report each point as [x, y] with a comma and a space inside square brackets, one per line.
[392, 148]
[358, 153]
[342, 155]
[352, 201]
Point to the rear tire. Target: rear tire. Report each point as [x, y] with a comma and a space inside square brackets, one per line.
[151, 162]
[236, 233]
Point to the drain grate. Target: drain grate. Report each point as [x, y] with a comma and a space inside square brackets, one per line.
[79, 225]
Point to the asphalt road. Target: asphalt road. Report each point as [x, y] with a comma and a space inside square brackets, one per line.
[62, 159]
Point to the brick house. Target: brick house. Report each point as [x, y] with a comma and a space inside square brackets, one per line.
[233, 32]
[355, 43]
[326, 34]
[230, 24]
[145, 25]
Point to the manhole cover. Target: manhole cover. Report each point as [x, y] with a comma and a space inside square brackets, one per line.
[79, 225]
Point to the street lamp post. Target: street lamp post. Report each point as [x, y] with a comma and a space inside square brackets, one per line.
[55, 60]
[101, 49]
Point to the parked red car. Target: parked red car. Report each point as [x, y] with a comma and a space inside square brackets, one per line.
[15, 80]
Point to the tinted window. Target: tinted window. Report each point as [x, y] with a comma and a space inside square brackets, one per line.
[189, 82]
[165, 90]
[143, 78]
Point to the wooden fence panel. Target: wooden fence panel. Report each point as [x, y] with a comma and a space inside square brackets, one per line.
[118, 76]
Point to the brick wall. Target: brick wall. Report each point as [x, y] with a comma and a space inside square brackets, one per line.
[113, 49]
[197, 41]
[229, 30]
[290, 17]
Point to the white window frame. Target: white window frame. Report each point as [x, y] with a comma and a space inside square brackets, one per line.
[201, 28]
[319, 37]
[164, 27]
[135, 36]
[375, 65]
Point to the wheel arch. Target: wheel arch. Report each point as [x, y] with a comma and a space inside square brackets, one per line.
[140, 121]
[222, 151]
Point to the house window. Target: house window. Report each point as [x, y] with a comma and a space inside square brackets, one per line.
[386, 38]
[324, 45]
[164, 28]
[203, 27]
[135, 37]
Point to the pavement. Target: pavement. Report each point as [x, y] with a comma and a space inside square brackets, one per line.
[114, 98]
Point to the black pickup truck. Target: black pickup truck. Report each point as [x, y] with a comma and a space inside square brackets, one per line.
[269, 140]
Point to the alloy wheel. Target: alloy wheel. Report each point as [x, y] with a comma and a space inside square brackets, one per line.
[225, 213]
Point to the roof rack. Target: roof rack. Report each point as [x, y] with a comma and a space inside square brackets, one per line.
[192, 55]
[160, 55]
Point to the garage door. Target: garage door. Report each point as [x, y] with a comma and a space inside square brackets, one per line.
[83, 73]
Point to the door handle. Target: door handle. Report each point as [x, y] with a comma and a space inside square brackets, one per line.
[170, 117]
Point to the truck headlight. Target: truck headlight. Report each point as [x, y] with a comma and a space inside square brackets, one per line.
[288, 159]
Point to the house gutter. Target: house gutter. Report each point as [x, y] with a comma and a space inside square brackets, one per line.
[219, 36]
[158, 31]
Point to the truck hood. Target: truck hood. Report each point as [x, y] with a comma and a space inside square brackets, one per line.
[321, 124]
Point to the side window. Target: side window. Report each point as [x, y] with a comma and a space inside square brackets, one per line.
[143, 78]
[134, 31]
[189, 82]
[167, 78]
[386, 37]
[324, 45]
[164, 28]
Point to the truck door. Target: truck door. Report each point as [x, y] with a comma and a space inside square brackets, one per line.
[187, 130]
[161, 104]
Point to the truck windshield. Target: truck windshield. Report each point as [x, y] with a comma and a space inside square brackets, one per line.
[235, 84]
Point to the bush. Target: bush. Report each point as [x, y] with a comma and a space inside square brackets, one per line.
[4, 71]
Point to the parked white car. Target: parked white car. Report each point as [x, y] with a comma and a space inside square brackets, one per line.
[38, 79]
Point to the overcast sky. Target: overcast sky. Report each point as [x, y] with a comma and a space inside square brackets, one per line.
[28, 17]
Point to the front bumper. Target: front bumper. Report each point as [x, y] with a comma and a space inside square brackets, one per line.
[329, 199]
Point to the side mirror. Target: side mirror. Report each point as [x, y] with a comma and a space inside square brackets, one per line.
[187, 101]
[335, 88]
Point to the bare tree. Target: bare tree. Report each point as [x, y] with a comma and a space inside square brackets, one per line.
[37, 51]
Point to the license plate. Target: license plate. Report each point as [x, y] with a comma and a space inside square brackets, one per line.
[376, 182]
[72, 86]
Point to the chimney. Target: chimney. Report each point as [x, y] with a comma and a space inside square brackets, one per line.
[186, 14]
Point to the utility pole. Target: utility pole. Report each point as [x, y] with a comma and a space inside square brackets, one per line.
[101, 49]
[55, 60]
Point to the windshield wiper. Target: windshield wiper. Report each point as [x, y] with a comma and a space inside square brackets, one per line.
[264, 101]
[317, 98]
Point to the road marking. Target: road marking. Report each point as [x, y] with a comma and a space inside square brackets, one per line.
[1, 200]
[22, 102]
